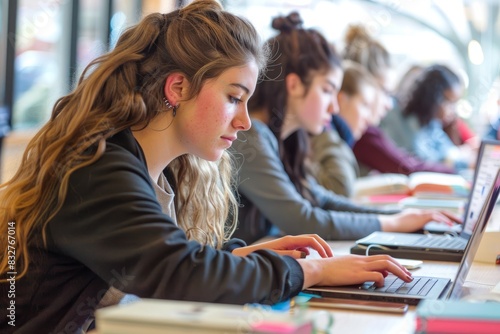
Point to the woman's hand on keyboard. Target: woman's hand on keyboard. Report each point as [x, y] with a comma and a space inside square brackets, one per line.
[411, 220]
[351, 269]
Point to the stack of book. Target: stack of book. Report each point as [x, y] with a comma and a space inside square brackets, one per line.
[418, 184]
[418, 190]
[457, 317]
[153, 316]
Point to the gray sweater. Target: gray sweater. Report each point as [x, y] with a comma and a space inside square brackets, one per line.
[272, 205]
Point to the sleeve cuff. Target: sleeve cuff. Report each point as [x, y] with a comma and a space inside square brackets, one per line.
[296, 278]
[233, 244]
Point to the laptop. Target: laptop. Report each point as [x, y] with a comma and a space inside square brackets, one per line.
[457, 290]
[397, 291]
[440, 247]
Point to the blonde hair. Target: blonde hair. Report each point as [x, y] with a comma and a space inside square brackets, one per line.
[355, 77]
[121, 89]
[204, 190]
[362, 48]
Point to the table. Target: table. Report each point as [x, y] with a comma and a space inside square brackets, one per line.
[481, 279]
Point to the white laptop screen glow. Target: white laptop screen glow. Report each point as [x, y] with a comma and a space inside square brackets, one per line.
[486, 173]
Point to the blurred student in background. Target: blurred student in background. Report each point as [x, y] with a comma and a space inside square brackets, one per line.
[418, 127]
[332, 160]
[298, 98]
[375, 151]
[455, 127]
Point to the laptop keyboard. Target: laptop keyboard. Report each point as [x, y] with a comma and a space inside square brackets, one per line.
[419, 286]
[441, 242]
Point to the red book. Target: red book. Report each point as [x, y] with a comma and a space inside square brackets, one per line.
[457, 317]
[457, 326]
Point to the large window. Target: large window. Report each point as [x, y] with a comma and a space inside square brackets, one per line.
[3, 46]
[92, 32]
[40, 76]
[48, 34]
[100, 25]
[4, 108]
[125, 14]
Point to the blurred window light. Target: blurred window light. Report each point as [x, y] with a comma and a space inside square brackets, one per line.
[475, 51]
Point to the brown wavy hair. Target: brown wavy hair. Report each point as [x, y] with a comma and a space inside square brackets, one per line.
[124, 89]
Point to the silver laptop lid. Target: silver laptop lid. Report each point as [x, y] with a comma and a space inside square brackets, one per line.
[456, 290]
[487, 165]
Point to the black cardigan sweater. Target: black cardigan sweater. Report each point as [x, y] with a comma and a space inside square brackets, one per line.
[111, 232]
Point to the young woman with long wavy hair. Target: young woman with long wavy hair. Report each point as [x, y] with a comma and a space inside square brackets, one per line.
[92, 207]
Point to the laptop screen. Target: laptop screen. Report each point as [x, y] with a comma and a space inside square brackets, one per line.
[488, 163]
[470, 252]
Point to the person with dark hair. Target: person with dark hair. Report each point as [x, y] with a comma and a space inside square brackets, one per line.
[298, 97]
[418, 127]
[127, 191]
[456, 128]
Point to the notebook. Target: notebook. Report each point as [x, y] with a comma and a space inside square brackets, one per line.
[440, 247]
[396, 290]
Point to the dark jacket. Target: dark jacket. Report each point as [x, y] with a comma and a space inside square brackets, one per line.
[111, 232]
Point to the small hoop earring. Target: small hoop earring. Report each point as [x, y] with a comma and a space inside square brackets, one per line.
[170, 106]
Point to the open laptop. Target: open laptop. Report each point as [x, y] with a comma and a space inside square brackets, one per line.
[440, 247]
[395, 290]
[457, 290]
